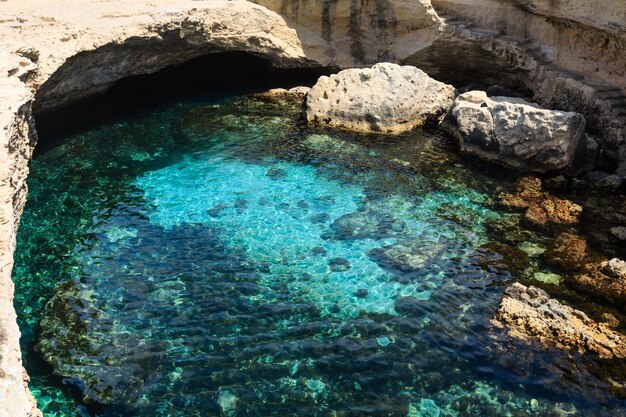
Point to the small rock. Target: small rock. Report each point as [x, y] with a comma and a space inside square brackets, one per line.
[615, 268]
[610, 320]
[557, 183]
[568, 252]
[339, 264]
[318, 250]
[301, 90]
[604, 181]
[619, 233]
[579, 185]
[361, 293]
[276, 173]
[548, 278]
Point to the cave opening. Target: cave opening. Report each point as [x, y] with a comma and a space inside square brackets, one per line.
[214, 74]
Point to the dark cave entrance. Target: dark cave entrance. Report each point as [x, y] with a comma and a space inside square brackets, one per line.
[215, 74]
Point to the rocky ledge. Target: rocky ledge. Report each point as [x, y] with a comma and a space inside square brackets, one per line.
[528, 313]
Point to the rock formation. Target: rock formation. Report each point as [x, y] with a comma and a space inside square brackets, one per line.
[542, 210]
[570, 56]
[514, 132]
[347, 33]
[528, 313]
[387, 98]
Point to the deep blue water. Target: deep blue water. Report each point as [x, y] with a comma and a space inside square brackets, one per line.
[216, 258]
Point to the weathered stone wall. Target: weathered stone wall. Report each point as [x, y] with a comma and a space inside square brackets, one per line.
[562, 57]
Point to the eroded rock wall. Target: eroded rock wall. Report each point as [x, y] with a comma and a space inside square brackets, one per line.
[351, 33]
[584, 36]
[552, 51]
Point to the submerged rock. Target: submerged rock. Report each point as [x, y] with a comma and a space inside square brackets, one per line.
[386, 98]
[605, 281]
[619, 233]
[528, 313]
[339, 264]
[543, 211]
[404, 256]
[568, 252]
[499, 257]
[515, 133]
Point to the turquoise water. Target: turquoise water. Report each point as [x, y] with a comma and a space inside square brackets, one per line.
[217, 258]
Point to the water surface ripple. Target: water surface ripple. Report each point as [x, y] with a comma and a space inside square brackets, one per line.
[215, 258]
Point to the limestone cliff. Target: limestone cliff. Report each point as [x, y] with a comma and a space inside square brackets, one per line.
[567, 54]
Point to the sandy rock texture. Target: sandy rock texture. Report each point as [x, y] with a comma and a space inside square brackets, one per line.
[349, 33]
[387, 98]
[515, 133]
[530, 314]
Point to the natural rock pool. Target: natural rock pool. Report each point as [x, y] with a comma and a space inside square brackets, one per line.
[215, 257]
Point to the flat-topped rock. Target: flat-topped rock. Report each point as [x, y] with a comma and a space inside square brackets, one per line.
[386, 98]
[515, 133]
[528, 313]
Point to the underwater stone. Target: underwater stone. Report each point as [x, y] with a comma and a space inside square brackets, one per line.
[368, 224]
[409, 306]
[500, 257]
[320, 218]
[543, 211]
[567, 252]
[339, 264]
[276, 173]
[361, 293]
[619, 233]
[318, 250]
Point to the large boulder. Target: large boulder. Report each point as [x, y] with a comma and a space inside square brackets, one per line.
[515, 133]
[528, 313]
[386, 98]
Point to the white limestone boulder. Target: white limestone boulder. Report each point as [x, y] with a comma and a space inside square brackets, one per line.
[515, 133]
[386, 98]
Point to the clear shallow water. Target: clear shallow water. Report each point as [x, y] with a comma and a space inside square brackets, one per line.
[213, 258]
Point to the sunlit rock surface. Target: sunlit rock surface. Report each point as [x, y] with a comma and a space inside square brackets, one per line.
[515, 133]
[529, 313]
[387, 98]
